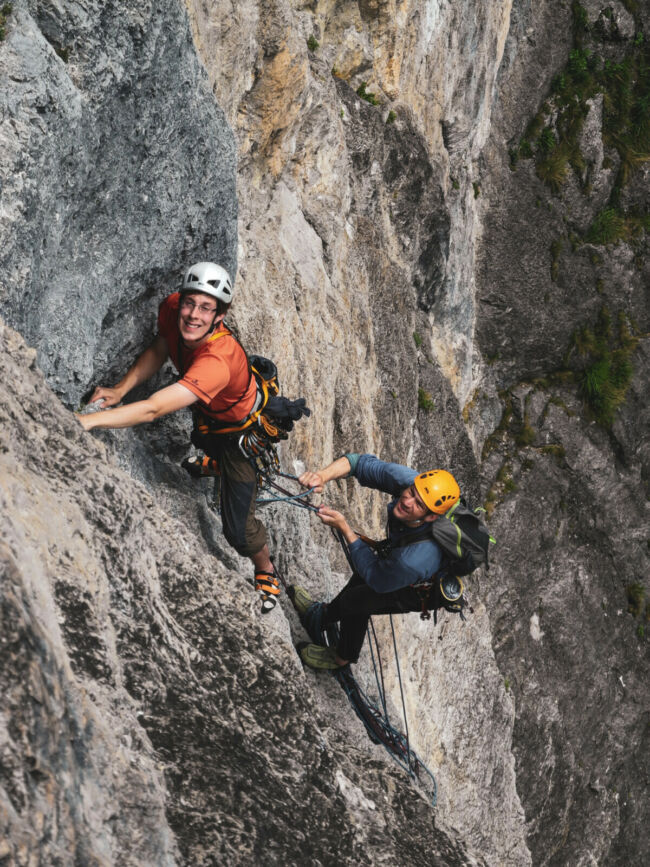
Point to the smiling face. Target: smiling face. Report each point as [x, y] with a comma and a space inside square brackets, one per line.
[410, 509]
[196, 315]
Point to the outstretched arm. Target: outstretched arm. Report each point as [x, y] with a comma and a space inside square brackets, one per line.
[337, 520]
[150, 362]
[338, 469]
[160, 403]
[383, 575]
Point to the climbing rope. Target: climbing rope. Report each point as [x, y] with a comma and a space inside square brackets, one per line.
[379, 726]
[379, 681]
[401, 688]
[269, 485]
[266, 464]
[372, 643]
[381, 731]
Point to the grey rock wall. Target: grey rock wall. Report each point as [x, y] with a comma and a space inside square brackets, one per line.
[117, 169]
[571, 496]
[400, 274]
[149, 715]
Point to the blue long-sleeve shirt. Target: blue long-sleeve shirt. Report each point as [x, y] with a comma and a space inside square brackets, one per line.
[410, 564]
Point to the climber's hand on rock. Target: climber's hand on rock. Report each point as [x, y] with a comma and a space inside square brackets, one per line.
[108, 396]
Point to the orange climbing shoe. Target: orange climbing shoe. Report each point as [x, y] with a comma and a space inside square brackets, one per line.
[268, 585]
[201, 466]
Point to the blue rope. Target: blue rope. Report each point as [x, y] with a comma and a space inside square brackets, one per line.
[289, 498]
[289, 476]
[396, 747]
[285, 496]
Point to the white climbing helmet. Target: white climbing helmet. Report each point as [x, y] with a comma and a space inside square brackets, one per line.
[209, 278]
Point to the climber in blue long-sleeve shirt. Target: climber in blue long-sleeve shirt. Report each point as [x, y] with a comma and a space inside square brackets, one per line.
[395, 579]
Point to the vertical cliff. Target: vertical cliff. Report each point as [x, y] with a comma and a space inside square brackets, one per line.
[563, 325]
[381, 176]
[149, 715]
[105, 191]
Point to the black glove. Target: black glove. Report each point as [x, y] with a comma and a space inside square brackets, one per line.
[283, 412]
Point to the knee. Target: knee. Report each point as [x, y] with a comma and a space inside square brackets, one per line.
[246, 543]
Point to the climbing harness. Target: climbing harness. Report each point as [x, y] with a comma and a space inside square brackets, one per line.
[442, 591]
[265, 374]
[268, 423]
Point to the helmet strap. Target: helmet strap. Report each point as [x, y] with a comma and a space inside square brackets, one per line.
[218, 319]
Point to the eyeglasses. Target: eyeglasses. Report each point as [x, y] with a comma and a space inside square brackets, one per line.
[187, 304]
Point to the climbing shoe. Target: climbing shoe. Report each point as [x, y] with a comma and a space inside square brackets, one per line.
[267, 584]
[312, 614]
[320, 658]
[300, 598]
[201, 466]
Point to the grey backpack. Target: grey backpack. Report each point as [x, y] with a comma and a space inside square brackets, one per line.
[463, 537]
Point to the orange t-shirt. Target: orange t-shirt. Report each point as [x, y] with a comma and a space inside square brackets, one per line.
[216, 371]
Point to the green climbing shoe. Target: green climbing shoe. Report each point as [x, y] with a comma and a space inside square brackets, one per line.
[301, 599]
[318, 657]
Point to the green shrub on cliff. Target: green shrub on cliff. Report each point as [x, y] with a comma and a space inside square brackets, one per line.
[553, 169]
[626, 109]
[5, 12]
[367, 95]
[580, 18]
[603, 368]
[425, 401]
[607, 228]
[547, 141]
[635, 597]
[611, 226]
[625, 88]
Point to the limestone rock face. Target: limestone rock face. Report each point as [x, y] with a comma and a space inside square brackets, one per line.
[431, 65]
[149, 715]
[117, 169]
[569, 496]
[352, 163]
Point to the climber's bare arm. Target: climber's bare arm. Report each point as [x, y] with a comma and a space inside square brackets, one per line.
[150, 362]
[338, 469]
[162, 402]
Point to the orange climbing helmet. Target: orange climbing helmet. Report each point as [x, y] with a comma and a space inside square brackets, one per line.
[438, 490]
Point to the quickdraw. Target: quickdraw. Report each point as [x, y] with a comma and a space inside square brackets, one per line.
[261, 453]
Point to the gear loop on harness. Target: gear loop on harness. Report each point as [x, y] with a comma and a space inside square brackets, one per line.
[258, 433]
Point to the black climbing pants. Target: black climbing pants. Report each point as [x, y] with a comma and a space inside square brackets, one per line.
[357, 603]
